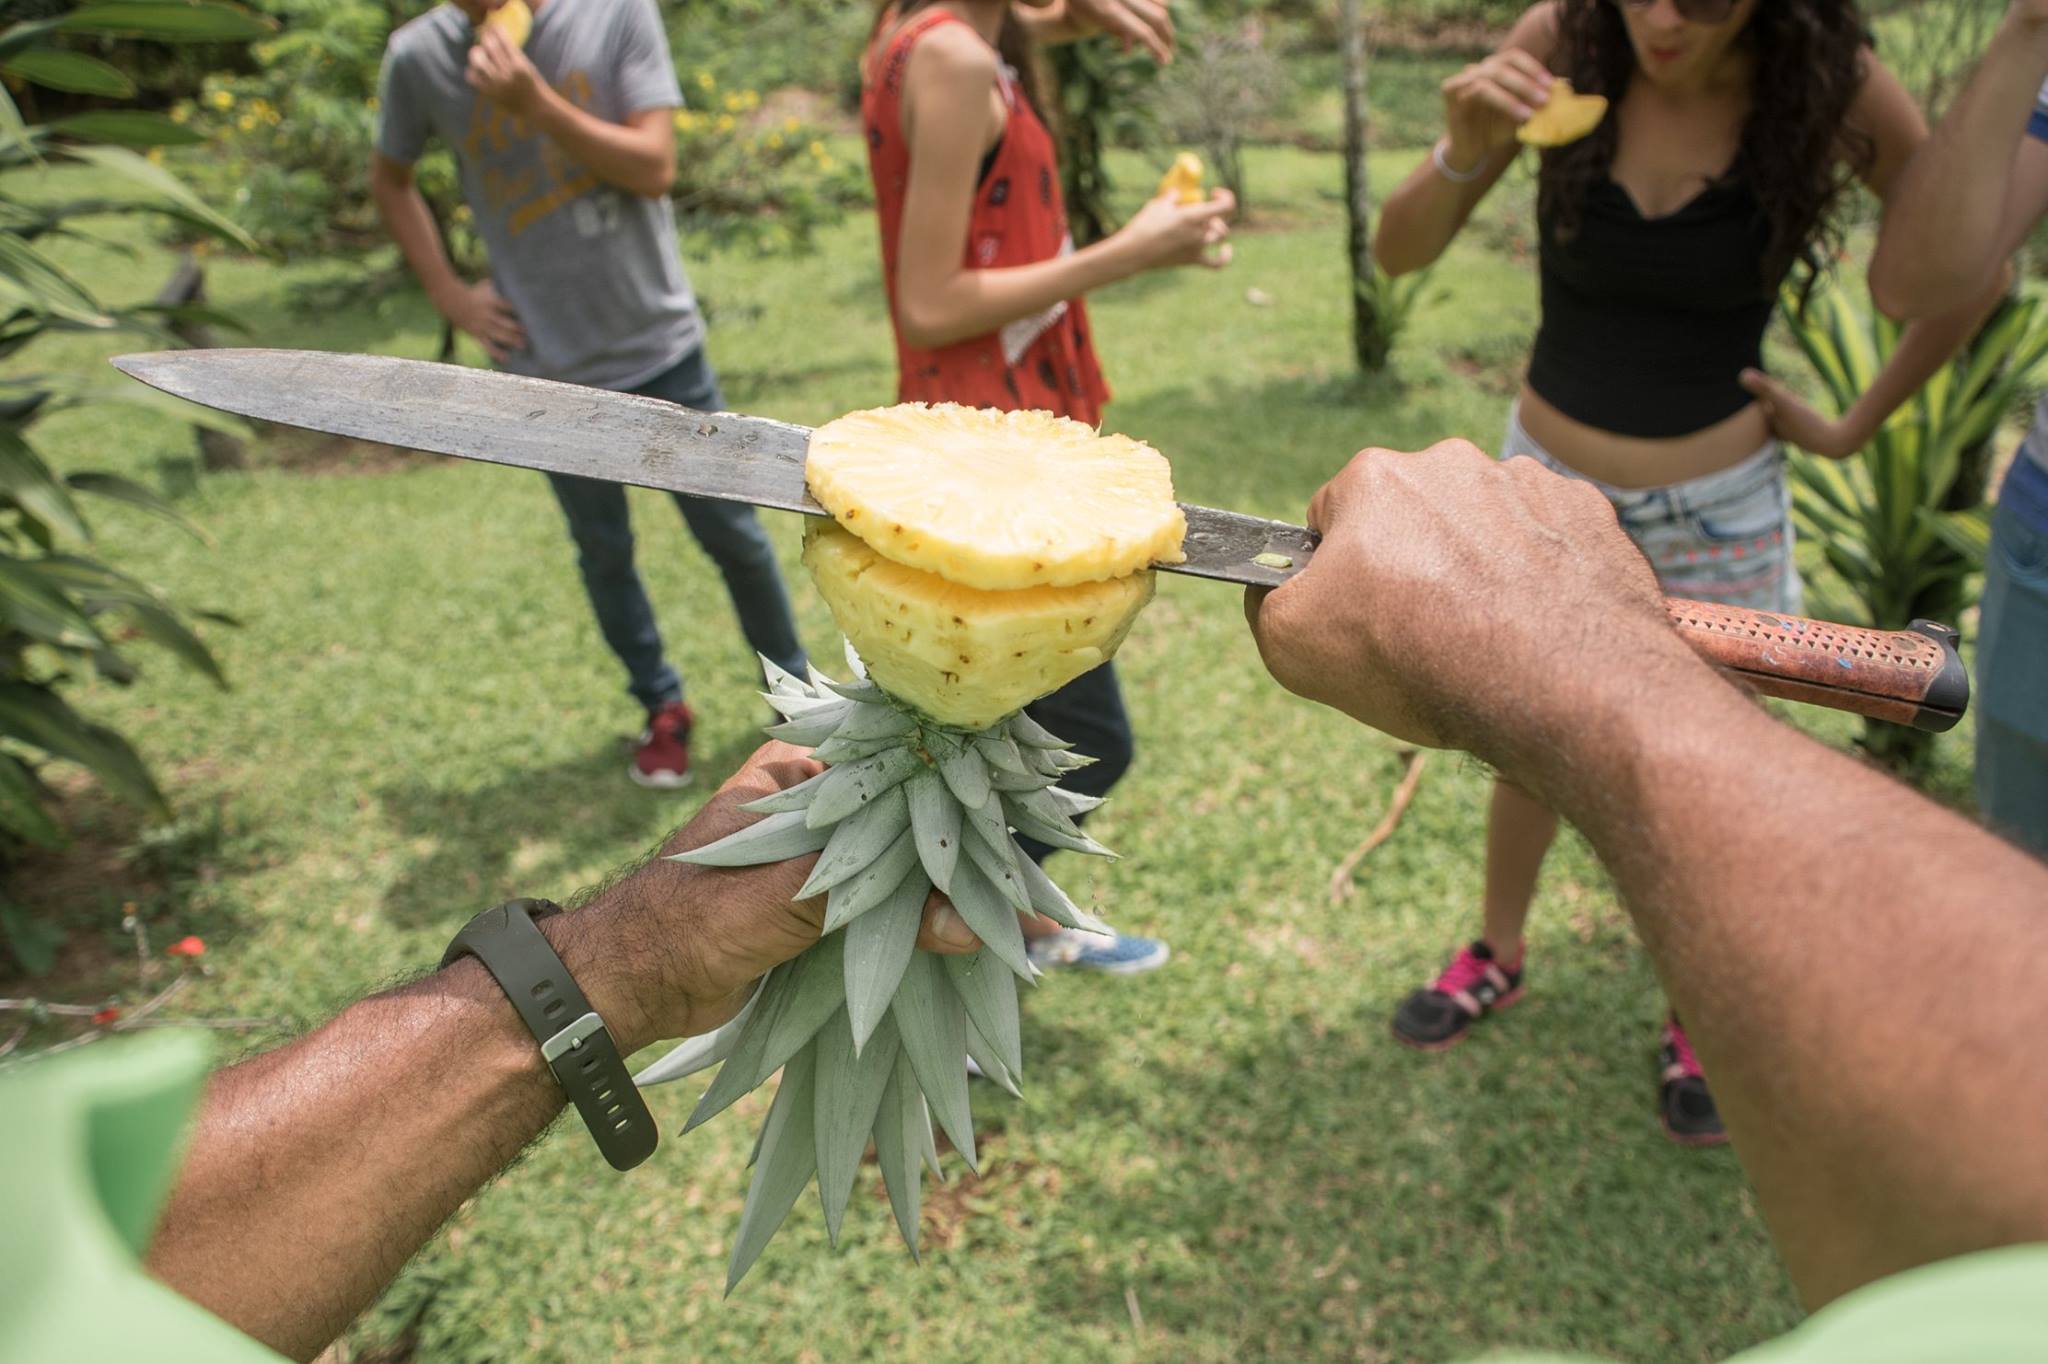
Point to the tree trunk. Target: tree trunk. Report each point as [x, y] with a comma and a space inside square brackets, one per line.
[1369, 341]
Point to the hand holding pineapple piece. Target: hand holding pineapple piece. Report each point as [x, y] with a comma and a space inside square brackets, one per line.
[980, 560]
[513, 19]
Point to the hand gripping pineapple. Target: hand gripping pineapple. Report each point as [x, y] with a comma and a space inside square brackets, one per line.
[976, 560]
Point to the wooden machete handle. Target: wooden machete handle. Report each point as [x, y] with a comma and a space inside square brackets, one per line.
[1910, 677]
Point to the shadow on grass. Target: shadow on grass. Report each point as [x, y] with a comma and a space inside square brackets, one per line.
[533, 827]
[1353, 1183]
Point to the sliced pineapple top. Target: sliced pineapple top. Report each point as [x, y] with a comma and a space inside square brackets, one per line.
[997, 500]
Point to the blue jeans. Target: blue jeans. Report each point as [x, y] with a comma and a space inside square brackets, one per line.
[729, 532]
[2012, 664]
[1089, 713]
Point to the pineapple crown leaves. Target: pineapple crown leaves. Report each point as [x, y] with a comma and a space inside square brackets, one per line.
[871, 1035]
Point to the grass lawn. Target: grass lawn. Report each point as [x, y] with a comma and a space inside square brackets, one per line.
[423, 721]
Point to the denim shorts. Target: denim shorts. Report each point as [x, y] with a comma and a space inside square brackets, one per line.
[2012, 664]
[1725, 537]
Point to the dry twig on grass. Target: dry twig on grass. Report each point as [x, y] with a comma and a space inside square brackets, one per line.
[1341, 887]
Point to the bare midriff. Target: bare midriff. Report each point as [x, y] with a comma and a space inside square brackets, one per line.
[1637, 462]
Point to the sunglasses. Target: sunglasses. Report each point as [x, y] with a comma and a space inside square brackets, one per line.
[1693, 11]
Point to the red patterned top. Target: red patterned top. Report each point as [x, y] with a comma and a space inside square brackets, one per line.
[1042, 361]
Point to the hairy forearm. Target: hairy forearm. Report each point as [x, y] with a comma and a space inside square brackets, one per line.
[1942, 221]
[317, 1170]
[625, 156]
[967, 303]
[1924, 347]
[411, 225]
[1803, 912]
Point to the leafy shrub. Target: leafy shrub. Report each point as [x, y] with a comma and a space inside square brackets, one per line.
[62, 610]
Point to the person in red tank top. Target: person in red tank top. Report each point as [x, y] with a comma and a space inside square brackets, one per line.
[985, 284]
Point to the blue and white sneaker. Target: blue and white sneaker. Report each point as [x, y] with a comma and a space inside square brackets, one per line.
[1120, 955]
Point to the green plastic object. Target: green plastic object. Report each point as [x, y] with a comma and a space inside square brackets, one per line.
[89, 1144]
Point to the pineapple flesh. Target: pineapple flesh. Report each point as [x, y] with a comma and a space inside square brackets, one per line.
[997, 500]
[980, 560]
[961, 655]
[1568, 117]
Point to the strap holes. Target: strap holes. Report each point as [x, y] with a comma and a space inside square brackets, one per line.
[541, 987]
[622, 1124]
[554, 1007]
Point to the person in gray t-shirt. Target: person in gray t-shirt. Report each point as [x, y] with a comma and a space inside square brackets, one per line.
[567, 152]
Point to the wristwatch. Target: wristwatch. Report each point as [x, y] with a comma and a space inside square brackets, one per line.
[573, 1039]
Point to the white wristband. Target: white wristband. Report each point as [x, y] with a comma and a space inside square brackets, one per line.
[1450, 172]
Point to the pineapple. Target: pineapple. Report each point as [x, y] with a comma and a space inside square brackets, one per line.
[959, 654]
[996, 500]
[980, 559]
[1183, 179]
[1568, 117]
[513, 19]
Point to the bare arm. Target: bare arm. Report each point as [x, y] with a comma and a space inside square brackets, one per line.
[317, 1170]
[1483, 105]
[1855, 963]
[475, 308]
[1886, 113]
[1140, 23]
[638, 156]
[1962, 205]
[950, 121]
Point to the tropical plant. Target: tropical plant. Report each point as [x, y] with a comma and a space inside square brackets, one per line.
[62, 610]
[1901, 527]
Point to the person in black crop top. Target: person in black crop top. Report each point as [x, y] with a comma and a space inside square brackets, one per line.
[1733, 128]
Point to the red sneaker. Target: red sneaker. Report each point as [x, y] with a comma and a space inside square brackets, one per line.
[661, 755]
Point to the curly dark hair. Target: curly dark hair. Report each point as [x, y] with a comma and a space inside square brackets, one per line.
[1798, 152]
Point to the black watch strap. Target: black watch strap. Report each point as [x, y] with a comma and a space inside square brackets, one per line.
[573, 1039]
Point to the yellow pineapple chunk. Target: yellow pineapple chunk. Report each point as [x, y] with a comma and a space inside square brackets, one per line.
[961, 655]
[997, 500]
[513, 19]
[1183, 179]
[1565, 119]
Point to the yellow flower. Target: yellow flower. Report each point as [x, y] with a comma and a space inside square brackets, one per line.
[181, 113]
[790, 125]
[733, 103]
[818, 149]
[705, 81]
[775, 142]
[156, 155]
[247, 123]
[221, 99]
[752, 98]
[725, 123]
[462, 213]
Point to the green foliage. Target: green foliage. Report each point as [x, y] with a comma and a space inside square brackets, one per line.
[1901, 524]
[1382, 307]
[61, 610]
[745, 175]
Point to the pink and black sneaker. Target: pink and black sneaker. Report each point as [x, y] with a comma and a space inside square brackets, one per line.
[661, 755]
[1683, 1103]
[1474, 984]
